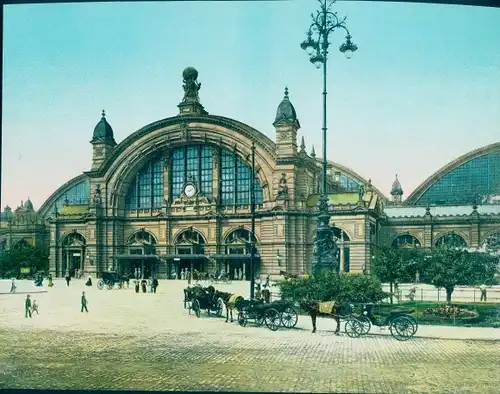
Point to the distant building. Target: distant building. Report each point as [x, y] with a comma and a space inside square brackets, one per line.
[176, 195]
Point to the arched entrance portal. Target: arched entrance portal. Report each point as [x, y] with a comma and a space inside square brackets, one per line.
[237, 259]
[343, 250]
[73, 250]
[141, 260]
[189, 253]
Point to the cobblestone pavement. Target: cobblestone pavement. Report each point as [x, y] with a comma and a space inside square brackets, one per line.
[148, 341]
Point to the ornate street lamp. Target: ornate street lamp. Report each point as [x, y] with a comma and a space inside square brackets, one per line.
[316, 45]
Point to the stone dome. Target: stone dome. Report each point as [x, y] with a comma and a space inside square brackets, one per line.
[396, 189]
[103, 130]
[286, 111]
[28, 205]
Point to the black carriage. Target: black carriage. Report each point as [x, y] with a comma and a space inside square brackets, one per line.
[288, 315]
[198, 298]
[402, 325]
[260, 313]
[109, 279]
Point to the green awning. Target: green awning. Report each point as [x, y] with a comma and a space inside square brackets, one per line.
[339, 198]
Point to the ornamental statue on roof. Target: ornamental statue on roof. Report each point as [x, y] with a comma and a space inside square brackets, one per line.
[191, 85]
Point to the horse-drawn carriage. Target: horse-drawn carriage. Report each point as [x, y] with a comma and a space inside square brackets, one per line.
[197, 298]
[259, 312]
[109, 279]
[402, 325]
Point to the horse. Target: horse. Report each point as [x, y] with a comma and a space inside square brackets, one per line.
[330, 309]
[231, 302]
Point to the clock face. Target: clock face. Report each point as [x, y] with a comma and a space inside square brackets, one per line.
[190, 190]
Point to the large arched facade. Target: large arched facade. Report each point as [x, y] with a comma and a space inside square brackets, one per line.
[177, 195]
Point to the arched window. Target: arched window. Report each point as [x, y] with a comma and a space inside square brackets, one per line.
[22, 244]
[73, 251]
[240, 241]
[451, 239]
[190, 242]
[192, 163]
[142, 242]
[406, 241]
[76, 194]
[343, 242]
[236, 181]
[146, 189]
[492, 243]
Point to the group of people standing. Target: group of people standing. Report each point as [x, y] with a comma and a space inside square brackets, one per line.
[143, 285]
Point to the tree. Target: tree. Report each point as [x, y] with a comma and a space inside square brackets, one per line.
[450, 267]
[11, 261]
[391, 265]
[330, 286]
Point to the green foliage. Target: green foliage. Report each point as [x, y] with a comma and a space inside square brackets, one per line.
[333, 287]
[394, 265]
[11, 261]
[450, 267]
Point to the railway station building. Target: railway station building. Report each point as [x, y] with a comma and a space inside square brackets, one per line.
[177, 194]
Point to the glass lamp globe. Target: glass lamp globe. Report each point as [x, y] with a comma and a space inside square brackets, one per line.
[348, 53]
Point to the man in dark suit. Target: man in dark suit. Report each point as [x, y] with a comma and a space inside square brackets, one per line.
[84, 303]
[27, 306]
[154, 284]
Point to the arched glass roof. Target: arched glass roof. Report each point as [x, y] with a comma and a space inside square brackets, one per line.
[475, 181]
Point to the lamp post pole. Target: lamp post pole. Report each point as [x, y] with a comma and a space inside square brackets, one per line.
[316, 45]
[252, 228]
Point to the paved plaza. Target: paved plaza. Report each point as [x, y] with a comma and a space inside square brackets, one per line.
[148, 341]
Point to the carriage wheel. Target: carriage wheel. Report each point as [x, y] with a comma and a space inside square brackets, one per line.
[365, 323]
[100, 284]
[109, 286]
[402, 328]
[414, 322]
[353, 328]
[259, 320]
[219, 307]
[272, 318]
[242, 319]
[195, 306]
[289, 318]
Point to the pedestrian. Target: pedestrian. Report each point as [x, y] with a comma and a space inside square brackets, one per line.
[89, 281]
[68, 279]
[84, 302]
[27, 306]
[143, 285]
[51, 283]
[183, 274]
[34, 307]
[155, 284]
[13, 286]
[266, 284]
[483, 292]
[136, 286]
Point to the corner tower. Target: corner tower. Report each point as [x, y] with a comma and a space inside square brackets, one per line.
[396, 191]
[286, 125]
[103, 142]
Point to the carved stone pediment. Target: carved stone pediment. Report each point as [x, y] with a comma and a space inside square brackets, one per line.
[199, 199]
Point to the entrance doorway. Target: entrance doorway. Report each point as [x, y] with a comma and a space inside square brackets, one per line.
[73, 250]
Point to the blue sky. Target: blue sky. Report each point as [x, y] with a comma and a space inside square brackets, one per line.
[423, 88]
